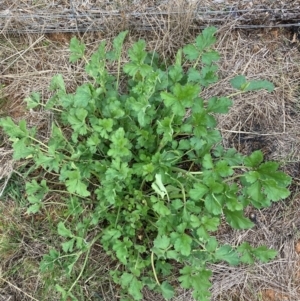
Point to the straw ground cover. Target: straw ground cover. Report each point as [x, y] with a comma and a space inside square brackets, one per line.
[267, 122]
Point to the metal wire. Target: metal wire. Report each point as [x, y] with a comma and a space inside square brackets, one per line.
[76, 20]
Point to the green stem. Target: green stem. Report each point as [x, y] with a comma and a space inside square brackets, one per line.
[70, 193]
[179, 169]
[39, 142]
[195, 172]
[118, 75]
[153, 268]
[142, 185]
[119, 209]
[85, 262]
[182, 189]
[236, 93]
[52, 109]
[197, 61]
[81, 272]
[186, 171]
[68, 143]
[232, 178]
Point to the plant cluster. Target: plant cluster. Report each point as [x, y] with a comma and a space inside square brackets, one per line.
[137, 159]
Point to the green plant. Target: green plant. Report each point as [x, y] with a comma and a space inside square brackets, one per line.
[142, 159]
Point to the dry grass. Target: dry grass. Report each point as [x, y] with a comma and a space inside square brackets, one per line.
[257, 121]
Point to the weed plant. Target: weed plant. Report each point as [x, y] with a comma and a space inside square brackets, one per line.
[141, 164]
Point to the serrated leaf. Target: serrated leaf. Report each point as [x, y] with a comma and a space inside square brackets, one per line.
[83, 96]
[219, 105]
[164, 268]
[255, 192]
[135, 289]
[264, 254]
[252, 176]
[103, 126]
[162, 242]
[57, 83]
[226, 253]
[211, 244]
[202, 233]
[111, 235]
[22, 149]
[33, 100]
[176, 73]
[197, 144]
[223, 169]
[117, 46]
[77, 119]
[275, 192]
[207, 161]
[35, 193]
[13, 130]
[212, 204]
[96, 65]
[215, 187]
[194, 75]
[268, 170]
[208, 75]
[63, 231]
[167, 290]
[48, 163]
[213, 137]
[161, 208]
[194, 221]
[133, 285]
[198, 191]
[172, 254]
[237, 220]
[191, 52]
[206, 38]
[184, 144]
[233, 157]
[182, 98]
[210, 223]
[74, 183]
[137, 52]
[209, 57]
[246, 253]
[68, 245]
[120, 146]
[77, 50]
[254, 159]
[198, 279]
[69, 269]
[48, 260]
[34, 208]
[121, 249]
[183, 244]
[233, 204]
[60, 289]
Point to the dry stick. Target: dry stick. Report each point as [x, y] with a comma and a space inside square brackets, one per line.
[253, 133]
[283, 105]
[23, 52]
[14, 76]
[9, 283]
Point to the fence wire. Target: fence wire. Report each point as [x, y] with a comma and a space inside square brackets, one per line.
[75, 18]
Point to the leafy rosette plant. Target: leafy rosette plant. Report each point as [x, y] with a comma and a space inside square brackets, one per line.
[142, 162]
